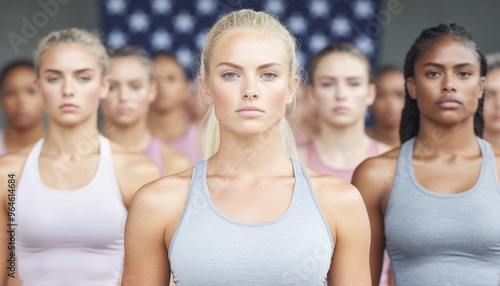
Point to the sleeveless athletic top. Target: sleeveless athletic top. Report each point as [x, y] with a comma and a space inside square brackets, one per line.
[72, 237]
[189, 144]
[444, 239]
[3, 150]
[316, 163]
[209, 248]
[155, 153]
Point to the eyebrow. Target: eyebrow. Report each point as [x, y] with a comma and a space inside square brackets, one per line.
[240, 67]
[431, 64]
[335, 78]
[77, 71]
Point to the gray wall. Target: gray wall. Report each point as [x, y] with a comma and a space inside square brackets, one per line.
[15, 13]
[480, 17]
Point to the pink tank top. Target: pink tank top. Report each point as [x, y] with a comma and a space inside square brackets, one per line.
[72, 237]
[314, 161]
[3, 150]
[155, 153]
[189, 144]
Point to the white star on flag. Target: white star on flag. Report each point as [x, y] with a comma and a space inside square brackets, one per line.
[161, 40]
[319, 8]
[116, 39]
[185, 56]
[317, 42]
[200, 40]
[275, 7]
[340, 26]
[206, 7]
[184, 23]
[139, 22]
[363, 9]
[297, 24]
[364, 44]
[161, 6]
[116, 7]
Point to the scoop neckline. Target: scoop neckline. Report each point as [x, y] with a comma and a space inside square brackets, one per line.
[219, 213]
[421, 188]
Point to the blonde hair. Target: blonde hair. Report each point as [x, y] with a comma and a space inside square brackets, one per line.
[254, 20]
[73, 36]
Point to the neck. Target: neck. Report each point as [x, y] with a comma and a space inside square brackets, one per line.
[493, 137]
[253, 156]
[135, 137]
[15, 139]
[343, 139]
[433, 140]
[386, 134]
[168, 125]
[81, 140]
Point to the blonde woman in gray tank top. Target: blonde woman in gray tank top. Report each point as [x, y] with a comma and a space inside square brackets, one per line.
[434, 203]
[250, 214]
[64, 201]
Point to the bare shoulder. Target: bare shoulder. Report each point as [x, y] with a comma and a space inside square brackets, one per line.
[168, 189]
[378, 168]
[175, 161]
[132, 171]
[332, 190]
[132, 163]
[340, 203]
[164, 197]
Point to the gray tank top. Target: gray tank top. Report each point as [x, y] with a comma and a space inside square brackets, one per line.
[444, 239]
[209, 248]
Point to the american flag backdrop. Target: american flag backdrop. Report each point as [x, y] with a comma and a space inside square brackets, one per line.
[180, 27]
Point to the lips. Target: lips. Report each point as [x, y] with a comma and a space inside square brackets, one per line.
[123, 110]
[340, 109]
[449, 102]
[250, 111]
[68, 107]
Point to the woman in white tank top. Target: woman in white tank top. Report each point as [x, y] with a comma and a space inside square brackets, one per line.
[73, 188]
[251, 192]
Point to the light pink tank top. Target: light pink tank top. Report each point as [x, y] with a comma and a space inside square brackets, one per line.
[72, 237]
[155, 153]
[189, 144]
[3, 150]
[314, 161]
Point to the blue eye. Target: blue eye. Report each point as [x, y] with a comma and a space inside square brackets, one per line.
[229, 75]
[52, 79]
[269, 75]
[84, 79]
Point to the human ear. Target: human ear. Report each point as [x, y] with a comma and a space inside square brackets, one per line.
[410, 86]
[482, 83]
[292, 90]
[205, 91]
[372, 92]
[104, 87]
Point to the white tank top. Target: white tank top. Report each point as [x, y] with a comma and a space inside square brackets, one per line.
[72, 237]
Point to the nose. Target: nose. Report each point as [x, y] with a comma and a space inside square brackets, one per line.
[340, 92]
[449, 83]
[68, 90]
[250, 89]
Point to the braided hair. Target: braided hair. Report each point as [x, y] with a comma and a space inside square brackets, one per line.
[410, 119]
